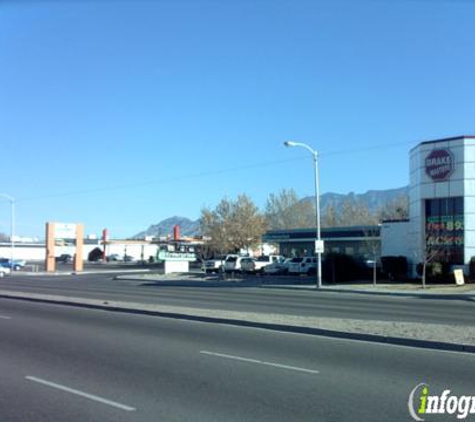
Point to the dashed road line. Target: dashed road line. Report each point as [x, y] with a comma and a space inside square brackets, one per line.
[260, 362]
[81, 393]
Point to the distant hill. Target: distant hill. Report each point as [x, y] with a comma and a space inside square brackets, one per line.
[165, 227]
[373, 199]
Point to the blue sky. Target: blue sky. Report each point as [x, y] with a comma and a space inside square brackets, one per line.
[119, 114]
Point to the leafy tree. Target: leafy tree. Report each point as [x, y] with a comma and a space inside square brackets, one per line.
[286, 210]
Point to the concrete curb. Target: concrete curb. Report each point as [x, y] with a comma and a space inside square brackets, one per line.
[87, 272]
[104, 305]
[433, 295]
[296, 286]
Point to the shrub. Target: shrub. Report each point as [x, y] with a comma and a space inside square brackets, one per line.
[395, 267]
[471, 269]
[340, 267]
[436, 272]
[95, 255]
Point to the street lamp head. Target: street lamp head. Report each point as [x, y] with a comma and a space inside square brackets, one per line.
[289, 144]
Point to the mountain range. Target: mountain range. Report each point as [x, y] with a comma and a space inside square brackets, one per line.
[373, 199]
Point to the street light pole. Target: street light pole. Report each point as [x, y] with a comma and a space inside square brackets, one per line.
[12, 228]
[317, 207]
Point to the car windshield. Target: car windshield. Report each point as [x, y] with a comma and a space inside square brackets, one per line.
[297, 260]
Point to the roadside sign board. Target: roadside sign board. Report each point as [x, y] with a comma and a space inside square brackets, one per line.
[64, 231]
[459, 279]
[176, 256]
[319, 246]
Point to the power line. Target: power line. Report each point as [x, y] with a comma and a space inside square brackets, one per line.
[371, 148]
[159, 181]
[206, 173]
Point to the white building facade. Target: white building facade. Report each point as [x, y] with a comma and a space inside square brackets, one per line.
[442, 201]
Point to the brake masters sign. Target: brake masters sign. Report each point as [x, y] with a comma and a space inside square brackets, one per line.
[439, 164]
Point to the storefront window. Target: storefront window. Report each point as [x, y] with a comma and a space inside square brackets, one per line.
[445, 229]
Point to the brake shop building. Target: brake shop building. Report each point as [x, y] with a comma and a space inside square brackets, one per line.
[442, 201]
[441, 220]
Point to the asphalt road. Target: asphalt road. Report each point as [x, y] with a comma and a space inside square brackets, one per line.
[454, 310]
[60, 363]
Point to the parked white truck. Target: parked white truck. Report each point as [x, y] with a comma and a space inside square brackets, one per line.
[214, 265]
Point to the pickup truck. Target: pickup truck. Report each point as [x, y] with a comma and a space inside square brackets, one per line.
[214, 265]
[16, 265]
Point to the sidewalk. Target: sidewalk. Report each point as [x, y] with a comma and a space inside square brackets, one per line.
[402, 289]
[199, 279]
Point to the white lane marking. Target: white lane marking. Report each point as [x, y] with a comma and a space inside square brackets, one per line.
[260, 362]
[81, 393]
[5, 317]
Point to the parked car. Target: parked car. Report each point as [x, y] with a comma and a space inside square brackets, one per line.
[113, 257]
[254, 265]
[4, 271]
[280, 266]
[306, 265]
[265, 260]
[65, 258]
[16, 264]
[233, 263]
[248, 265]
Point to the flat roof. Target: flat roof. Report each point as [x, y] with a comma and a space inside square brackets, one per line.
[453, 138]
[329, 233]
[326, 229]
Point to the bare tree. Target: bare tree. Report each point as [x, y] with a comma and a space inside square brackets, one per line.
[432, 248]
[354, 213]
[397, 209]
[286, 210]
[215, 225]
[330, 216]
[372, 242]
[233, 225]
